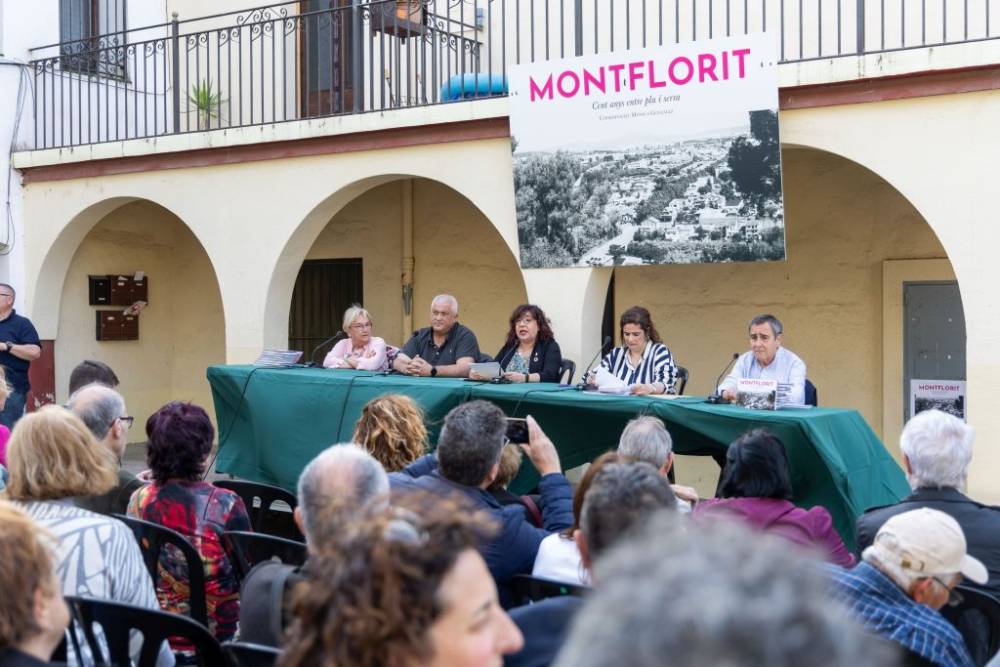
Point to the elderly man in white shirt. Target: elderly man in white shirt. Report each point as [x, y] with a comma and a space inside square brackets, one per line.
[768, 360]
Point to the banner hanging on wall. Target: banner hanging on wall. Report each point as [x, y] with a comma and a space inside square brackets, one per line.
[667, 155]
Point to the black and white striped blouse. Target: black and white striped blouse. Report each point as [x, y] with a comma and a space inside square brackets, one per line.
[657, 365]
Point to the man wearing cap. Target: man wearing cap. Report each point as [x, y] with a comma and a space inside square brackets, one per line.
[905, 577]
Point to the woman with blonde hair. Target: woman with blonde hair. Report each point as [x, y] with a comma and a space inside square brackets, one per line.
[391, 428]
[360, 350]
[53, 457]
[33, 615]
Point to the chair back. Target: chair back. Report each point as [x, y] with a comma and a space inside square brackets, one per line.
[567, 366]
[248, 549]
[118, 621]
[259, 500]
[812, 394]
[977, 619]
[681, 380]
[532, 589]
[152, 537]
[245, 654]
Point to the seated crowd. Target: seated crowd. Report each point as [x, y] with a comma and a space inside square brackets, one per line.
[414, 558]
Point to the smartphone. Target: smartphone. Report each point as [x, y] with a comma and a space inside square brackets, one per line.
[517, 429]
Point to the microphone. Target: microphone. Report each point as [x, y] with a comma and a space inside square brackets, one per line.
[717, 397]
[335, 337]
[582, 384]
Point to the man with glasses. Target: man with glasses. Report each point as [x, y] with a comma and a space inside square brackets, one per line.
[102, 409]
[905, 577]
[19, 346]
[768, 360]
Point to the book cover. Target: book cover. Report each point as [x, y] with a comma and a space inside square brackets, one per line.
[757, 394]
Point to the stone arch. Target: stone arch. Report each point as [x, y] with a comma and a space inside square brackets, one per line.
[305, 234]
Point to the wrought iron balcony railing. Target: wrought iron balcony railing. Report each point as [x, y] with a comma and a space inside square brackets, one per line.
[315, 58]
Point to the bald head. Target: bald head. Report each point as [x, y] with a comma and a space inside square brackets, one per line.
[338, 483]
[100, 407]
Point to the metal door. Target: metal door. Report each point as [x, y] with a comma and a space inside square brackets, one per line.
[933, 334]
[324, 289]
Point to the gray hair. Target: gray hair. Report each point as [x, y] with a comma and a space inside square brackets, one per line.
[446, 298]
[775, 323]
[98, 412]
[620, 497]
[342, 479]
[645, 438]
[352, 314]
[939, 448]
[714, 595]
[471, 442]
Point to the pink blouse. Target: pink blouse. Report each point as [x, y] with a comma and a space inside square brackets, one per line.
[337, 357]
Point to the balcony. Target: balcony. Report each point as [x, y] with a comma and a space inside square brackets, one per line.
[322, 58]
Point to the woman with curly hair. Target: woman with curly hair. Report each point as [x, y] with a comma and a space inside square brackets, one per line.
[391, 428]
[180, 440]
[530, 353]
[403, 589]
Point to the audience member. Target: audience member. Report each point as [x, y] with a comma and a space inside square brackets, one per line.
[19, 347]
[360, 350]
[33, 616]
[54, 458]
[558, 556]
[402, 588]
[340, 485]
[466, 463]
[621, 497]
[90, 371]
[646, 439]
[391, 428]
[102, 409]
[4, 431]
[937, 450]
[510, 463]
[906, 575]
[756, 488]
[713, 596]
[180, 441]
[445, 348]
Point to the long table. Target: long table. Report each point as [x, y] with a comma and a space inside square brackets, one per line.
[273, 421]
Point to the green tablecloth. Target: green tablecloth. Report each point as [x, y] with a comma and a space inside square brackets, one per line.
[273, 421]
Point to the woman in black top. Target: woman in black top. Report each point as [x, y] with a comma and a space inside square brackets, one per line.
[531, 353]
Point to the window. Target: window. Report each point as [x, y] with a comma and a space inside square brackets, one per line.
[92, 36]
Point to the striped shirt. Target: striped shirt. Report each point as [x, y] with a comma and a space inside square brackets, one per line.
[883, 608]
[656, 365]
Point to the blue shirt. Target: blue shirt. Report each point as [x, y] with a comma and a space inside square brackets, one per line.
[883, 608]
[20, 331]
[785, 368]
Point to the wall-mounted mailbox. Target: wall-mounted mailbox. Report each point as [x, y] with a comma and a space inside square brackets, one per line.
[113, 325]
[117, 290]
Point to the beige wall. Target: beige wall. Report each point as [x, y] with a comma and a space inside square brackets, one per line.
[456, 249]
[843, 222]
[181, 332]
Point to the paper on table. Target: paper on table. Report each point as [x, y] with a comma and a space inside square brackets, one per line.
[608, 383]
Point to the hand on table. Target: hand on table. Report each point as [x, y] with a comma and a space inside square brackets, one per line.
[514, 377]
[418, 366]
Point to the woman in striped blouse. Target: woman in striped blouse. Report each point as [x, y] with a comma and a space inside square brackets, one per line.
[643, 362]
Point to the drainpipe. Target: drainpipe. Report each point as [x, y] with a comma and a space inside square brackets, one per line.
[408, 261]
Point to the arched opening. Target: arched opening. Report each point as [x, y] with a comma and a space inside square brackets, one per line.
[454, 247]
[181, 331]
[853, 242]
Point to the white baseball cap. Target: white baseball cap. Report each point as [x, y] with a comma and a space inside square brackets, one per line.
[927, 543]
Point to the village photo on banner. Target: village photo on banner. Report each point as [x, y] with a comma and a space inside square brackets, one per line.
[667, 155]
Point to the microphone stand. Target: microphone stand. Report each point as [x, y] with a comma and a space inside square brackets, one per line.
[716, 398]
[335, 337]
[582, 384]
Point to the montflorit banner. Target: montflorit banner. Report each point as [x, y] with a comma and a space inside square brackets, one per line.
[667, 155]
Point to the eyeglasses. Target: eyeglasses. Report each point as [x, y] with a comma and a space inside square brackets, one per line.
[506, 441]
[127, 420]
[954, 597]
[365, 325]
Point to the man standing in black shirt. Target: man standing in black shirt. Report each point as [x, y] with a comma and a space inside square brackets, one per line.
[445, 348]
[19, 346]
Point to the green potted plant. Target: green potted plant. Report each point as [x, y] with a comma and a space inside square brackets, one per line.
[206, 102]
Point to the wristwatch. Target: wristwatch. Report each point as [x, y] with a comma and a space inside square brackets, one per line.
[434, 371]
[9, 345]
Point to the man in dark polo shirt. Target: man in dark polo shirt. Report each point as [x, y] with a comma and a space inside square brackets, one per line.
[444, 349]
[19, 346]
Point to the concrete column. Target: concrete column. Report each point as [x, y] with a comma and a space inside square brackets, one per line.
[573, 299]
